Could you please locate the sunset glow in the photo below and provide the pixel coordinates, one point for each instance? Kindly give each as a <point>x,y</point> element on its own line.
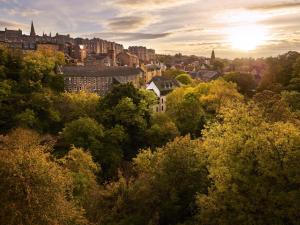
<point>247,38</point>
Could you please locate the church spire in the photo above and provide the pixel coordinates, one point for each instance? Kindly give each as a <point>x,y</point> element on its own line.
<point>213,56</point>
<point>32,31</point>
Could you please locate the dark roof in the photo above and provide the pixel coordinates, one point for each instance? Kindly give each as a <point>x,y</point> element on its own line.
<point>205,75</point>
<point>96,71</point>
<point>152,67</point>
<point>165,84</point>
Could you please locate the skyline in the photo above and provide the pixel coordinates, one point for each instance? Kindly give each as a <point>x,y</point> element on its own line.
<point>233,28</point>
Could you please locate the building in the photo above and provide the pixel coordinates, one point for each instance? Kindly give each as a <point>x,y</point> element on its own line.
<point>213,57</point>
<point>162,86</point>
<point>151,71</point>
<point>77,48</point>
<point>98,80</point>
<point>145,55</point>
<point>100,60</point>
<point>127,59</point>
<point>205,75</point>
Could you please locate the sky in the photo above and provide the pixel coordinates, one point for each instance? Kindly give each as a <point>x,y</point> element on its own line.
<point>240,28</point>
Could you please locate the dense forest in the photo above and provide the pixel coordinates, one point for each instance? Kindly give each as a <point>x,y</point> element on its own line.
<point>226,152</point>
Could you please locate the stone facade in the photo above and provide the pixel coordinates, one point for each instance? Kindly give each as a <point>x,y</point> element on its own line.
<point>151,71</point>
<point>98,80</point>
<point>127,59</point>
<point>145,55</point>
<point>65,43</point>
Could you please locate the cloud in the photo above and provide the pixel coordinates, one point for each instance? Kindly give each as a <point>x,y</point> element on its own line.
<point>12,24</point>
<point>150,4</point>
<point>128,23</point>
<point>274,6</point>
<point>127,36</point>
<point>25,12</point>
<point>207,43</point>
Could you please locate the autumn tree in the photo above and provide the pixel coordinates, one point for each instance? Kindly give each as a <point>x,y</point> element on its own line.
<point>163,190</point>
<point>162,130</point>
<point>245,82</point>
<point>34,189</point>
<point>253,166</point>
<point>184,79</point>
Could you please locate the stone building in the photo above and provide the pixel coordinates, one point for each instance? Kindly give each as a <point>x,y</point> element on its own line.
<point>151,71</point>
<point>145,55</point>
<point>100,60</point>
<point>127,59</point>
<point>73,47</point>
<point>98,80</point>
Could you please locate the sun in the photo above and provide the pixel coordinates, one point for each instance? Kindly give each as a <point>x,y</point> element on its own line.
<point>247,38</point>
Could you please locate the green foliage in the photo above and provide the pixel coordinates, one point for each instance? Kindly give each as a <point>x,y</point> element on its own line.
<point>192,107</point>
<point>280,70</point>
<point>162,130</point>
<point>84,133</point>
<point>292,98</point>
<point>172,73</point>
<point>104,145</point>
<point>184,79</point>
<point>218,65</point>
<point>83,171</point>
<point>72,106</point>
<point>245,82</point>
<point>164,189</point>
<point>128,108</point>
<point>254,167</point>
<point>34,189</point>
<point>27,86</point>
<point>273,106</point>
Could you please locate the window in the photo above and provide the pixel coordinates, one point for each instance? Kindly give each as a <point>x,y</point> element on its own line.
<point>162,108</point>
<point>156,108</point>
<point>162,101</point>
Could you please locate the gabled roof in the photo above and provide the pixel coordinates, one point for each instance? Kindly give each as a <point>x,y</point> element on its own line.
<point>164,84</point>
<point>95,71</point>
<point>207,75</point>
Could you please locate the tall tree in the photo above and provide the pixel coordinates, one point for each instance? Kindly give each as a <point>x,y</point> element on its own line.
<point>34,189</point>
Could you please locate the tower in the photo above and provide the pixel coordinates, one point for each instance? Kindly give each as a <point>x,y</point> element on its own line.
<point>213,57</point>
<point>32,31</point>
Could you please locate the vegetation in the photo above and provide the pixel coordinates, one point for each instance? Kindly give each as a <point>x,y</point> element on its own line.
<point>225,152</point>
<point>184,79</point>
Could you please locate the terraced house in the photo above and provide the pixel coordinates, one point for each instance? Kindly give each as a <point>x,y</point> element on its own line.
<point>99,80</point>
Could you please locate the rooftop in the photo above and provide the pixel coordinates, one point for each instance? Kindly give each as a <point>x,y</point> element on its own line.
<point>165,84</point>
<point>96,71</point>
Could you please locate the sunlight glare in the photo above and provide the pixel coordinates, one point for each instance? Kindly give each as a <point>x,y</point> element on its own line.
<point>247,38</point>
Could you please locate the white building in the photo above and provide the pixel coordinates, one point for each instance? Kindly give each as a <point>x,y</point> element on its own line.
<point>162,86</point>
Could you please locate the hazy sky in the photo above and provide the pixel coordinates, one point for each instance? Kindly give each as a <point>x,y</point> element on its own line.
<point>233,28</point>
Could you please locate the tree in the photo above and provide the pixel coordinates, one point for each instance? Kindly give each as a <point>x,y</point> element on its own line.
<point>296,68</point>
<point>83,133</point>
<point>130,109</point>
<point>72,106</point>
<point>280,70</point>
<point>184,79</point>
<point>193,107</point>
<point>245,82</point>
<point>273,106</point>
<point>103,144</point>
<point>253,165</point>
<point>162,130</point>
<point>83,170</point>
<point>163,190</point>
<point>172,73</point>
<point>34,189</point>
